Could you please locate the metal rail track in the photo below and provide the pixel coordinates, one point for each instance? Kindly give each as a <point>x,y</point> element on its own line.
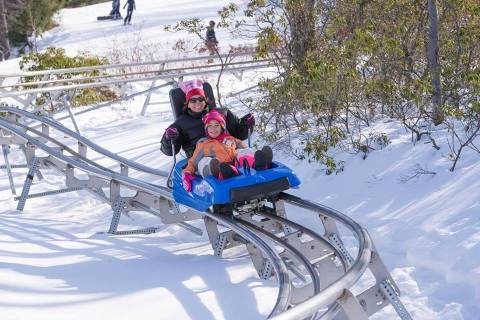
<point>61,91</point>
<point>122,65</point>
<point>315,272</point>
<point>50,89</point>
<point>129,75</point>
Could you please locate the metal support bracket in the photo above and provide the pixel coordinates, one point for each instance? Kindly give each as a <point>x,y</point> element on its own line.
<point>29,155</point>
<point>49,193</point>
<point>66,100</point>
<point>117,212</point>
<point>266,270</point>
<point>386,288</point>
<point>27,184</point>
<point>338,244</point>
<point>9,169</point>
<point>220,244</point>
<point>351,308</point>
<point>280,211</point>
<point>393,297</point>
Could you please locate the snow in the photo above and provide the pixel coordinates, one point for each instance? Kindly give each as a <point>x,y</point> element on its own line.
<point>55,260</point>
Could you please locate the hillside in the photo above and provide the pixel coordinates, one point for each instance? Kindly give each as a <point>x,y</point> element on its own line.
<point>426,227</point>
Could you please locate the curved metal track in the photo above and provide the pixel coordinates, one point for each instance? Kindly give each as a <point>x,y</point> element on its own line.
<point>315,272</point>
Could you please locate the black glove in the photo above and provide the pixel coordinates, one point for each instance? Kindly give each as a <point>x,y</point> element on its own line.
<point>248,120</point>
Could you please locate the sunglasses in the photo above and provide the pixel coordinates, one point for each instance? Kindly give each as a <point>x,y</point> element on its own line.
<point>195,100</point>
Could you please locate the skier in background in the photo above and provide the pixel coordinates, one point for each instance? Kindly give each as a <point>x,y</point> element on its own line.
<point>115,13</point>
<point>211,40</point>
<point>131,7</point>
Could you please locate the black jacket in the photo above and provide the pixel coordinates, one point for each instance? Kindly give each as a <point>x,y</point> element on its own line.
<point>211,34</point>
<point>131,5</point>
<point>190,127</point>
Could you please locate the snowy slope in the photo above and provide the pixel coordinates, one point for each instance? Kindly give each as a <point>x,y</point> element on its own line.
<point>53,262</point>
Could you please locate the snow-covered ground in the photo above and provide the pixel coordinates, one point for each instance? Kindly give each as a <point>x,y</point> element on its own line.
<point>54,264</point>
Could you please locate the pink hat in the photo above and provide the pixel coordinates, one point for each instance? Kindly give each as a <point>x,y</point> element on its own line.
<point>192,88</point>
<point>214,115</point>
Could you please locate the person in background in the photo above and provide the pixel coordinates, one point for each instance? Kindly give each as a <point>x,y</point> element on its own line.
<point>188,128</point>
<point>131,7</point>
<point>211,40</point>
<point>115,13</point>
<point>219,154</point>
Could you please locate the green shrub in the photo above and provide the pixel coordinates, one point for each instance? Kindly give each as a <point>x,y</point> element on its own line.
<point>56,58</point>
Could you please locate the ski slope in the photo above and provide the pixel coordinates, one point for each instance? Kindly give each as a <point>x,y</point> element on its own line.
<point>54,264</point>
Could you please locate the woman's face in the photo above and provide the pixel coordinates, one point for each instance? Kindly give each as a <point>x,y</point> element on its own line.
<point>214,129</point>
<point>197,103</point>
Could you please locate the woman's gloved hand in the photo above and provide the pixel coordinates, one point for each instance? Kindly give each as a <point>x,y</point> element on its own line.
<point>248,120</point>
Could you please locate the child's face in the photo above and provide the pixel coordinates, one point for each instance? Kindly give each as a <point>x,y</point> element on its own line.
<point>214,129</point>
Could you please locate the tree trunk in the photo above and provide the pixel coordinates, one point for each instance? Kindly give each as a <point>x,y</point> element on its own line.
<point>301,18</point>
<point>434,66</point>
<point>4,42</point>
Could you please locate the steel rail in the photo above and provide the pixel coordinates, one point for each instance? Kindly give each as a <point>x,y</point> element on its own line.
<point>279,266</point>
<point>63,146</point>
<point>7,94</point>
<point>333,292</point>
<point>53,81</point>
<point>297,254</point>
<point>335,308</point>
<point>119,65</point>
<point>131,164</point>
<point>108,103</point>
<point>308,232</point>
<point>308,266</point>
<point>102,174</point>
<point>284,292</point>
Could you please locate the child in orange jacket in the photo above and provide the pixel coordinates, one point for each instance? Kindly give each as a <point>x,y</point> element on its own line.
<point>217,153</point>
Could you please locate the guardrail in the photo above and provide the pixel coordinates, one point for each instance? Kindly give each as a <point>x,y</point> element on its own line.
<point>86,142</point>
<point>129,75</point>
<point>120,81</point>
<point>121,65</point>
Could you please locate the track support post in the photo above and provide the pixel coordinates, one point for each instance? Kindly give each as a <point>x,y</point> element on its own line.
<point>266,270</point>
<point>9,169</point>
<point>391,294</point>
<point>220,244</point>
<point>117,212</point>
<point>28,184</point>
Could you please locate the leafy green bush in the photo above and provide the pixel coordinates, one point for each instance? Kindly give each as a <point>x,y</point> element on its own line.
<point>56,58</point>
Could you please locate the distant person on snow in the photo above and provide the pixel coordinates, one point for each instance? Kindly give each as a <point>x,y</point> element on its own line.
<point>211,40</point>
<point>219,154</point>
<point>115,13</point>
<point>131,7</point>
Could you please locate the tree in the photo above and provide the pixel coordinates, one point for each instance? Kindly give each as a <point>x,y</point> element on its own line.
<point>7,8</point>
<point>4,43</point>
<point>33,18</point>
<point>434,66</point>
<point>341,63</point>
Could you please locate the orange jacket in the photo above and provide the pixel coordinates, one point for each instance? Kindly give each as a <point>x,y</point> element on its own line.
<point>225,151</point>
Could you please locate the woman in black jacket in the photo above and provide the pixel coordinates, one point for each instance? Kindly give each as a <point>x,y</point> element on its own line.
<point>188,128</point>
